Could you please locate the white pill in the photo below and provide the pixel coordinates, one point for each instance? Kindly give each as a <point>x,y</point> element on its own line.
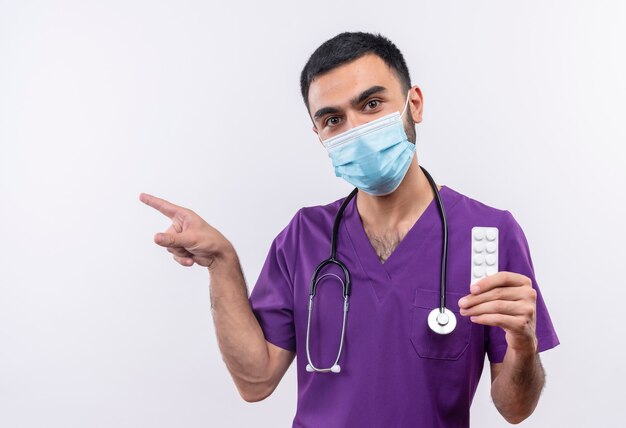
<point>479,247</point>
<point>479,234</point>
<point>491,247</point>
<point>491,259</point>
<point>479,259</point>
<point>490,271</point>
<point>491,234</point>
<point>478,272</point>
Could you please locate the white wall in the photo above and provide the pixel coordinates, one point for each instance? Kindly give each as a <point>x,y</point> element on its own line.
<point>199,103</point>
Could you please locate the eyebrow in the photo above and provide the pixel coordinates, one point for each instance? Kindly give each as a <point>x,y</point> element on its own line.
<point>354,101</point>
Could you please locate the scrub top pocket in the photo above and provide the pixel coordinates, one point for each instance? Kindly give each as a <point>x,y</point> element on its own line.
<point>426,342</point>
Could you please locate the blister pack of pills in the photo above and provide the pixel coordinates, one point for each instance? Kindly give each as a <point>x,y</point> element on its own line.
<point>484,252</point>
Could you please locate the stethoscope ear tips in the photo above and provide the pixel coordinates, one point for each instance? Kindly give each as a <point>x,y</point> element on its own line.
<point>335,369</point>
<point>309,368</point>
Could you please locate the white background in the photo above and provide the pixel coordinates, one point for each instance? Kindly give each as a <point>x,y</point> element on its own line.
<point>198,102</point>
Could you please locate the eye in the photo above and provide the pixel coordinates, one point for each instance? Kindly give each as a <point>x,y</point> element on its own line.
<point>332,121</point>
<point>372,104</point>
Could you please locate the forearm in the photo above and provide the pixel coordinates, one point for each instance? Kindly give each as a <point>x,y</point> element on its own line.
<point>516,389</point>
<point>239,335</point>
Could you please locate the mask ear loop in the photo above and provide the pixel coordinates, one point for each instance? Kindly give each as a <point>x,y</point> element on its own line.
<point>406,104</point>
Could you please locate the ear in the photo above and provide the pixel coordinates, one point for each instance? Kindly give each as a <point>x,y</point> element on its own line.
<point>416,103</point>
<point>317,133</point>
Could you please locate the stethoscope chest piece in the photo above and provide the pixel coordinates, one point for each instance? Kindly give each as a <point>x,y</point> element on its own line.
<point>441,321</point>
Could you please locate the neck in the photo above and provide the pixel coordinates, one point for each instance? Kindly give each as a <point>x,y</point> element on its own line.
<point>400,209</point>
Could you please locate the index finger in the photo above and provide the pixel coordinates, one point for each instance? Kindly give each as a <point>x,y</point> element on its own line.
<point>165,207</point>
<point>498,279</point>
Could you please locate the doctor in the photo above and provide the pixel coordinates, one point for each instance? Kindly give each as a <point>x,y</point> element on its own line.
<point>395,372</point>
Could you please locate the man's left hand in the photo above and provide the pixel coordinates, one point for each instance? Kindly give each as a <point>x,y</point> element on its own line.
<point>506,300</point>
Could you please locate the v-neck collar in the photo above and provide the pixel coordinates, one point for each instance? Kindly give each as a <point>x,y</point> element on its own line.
<point>379,273</point>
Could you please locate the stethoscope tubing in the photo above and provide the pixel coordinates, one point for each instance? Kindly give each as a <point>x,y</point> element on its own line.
<point>444,250</point>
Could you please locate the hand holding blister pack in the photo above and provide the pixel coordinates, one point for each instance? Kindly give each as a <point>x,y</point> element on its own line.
<point>484,252</point>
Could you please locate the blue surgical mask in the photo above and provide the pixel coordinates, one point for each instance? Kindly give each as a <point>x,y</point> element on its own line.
<point>374,156</point>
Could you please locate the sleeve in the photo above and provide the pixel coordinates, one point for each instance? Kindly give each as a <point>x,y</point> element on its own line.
<point>272,296</point>
<point>514,256</point>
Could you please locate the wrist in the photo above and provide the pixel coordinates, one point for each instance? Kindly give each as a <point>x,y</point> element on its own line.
<point>224,261</point>
<point>522,343</point>
<point>527,350</point>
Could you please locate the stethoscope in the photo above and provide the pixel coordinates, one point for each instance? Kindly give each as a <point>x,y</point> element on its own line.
<point>440,320</point>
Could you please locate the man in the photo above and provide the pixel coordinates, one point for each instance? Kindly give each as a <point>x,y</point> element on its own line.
<point>394,371</point>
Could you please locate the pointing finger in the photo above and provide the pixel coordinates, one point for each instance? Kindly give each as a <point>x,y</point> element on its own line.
<point>165,207</point>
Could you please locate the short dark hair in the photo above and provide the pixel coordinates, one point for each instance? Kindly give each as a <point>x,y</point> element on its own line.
<point>346,47</point>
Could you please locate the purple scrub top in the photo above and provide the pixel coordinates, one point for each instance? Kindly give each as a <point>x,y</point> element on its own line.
<point>395,372</point>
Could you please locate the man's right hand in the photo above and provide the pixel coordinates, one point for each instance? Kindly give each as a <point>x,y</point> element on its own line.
<point>190,239</point>
<point>256,365</point>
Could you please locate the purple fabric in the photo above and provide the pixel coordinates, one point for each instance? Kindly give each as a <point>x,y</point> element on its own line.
<point>395,372</point>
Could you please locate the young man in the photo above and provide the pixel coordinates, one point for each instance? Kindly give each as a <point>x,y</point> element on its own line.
<point>393,371</point>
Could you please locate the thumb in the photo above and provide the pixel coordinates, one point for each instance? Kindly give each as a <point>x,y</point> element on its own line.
<point>173,240</point>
